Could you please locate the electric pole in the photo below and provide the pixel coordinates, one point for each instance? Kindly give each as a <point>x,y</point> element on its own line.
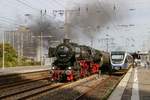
<point>3,50</point>
<point>108,41</point>
<point>66,14</point>
<point>41,34</point>
<point>41,45</point>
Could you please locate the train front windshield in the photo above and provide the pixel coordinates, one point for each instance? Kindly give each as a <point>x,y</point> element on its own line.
<point>117,58</point>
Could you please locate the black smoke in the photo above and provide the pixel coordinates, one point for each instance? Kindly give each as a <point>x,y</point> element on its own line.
<point>46,26</point>
<point>89,16</point>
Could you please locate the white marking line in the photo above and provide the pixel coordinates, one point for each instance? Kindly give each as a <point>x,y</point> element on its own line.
<point>118,92</point>
<point>135,87</point>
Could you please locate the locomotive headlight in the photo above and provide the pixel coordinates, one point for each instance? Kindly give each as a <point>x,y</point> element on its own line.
<point>69,67</point>
<point>53,67</point>
<point>68,72</point>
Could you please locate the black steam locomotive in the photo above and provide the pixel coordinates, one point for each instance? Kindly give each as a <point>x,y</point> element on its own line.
<point>74,61</point>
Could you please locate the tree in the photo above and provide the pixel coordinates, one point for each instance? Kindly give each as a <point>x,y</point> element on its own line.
<point>10,55</point>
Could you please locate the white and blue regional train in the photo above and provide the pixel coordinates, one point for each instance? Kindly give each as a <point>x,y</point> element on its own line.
<point>121,60</point>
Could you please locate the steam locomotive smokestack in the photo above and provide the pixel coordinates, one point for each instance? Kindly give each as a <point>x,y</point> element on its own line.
<point>66,41</point>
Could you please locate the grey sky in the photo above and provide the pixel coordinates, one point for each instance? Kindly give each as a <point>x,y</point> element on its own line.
<point>134,13</point>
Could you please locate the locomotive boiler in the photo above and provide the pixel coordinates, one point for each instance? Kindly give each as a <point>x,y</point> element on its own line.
<point>75,61</point>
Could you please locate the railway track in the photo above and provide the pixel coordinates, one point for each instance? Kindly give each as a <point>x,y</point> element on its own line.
<point>30,92</point>
<point>27,86</point>
<point>32,89</point>
<point>104,89</point>
<point>16,84</point>
<point>100,91</point>
<point>6,80</point>
<point>39,88</point>
<point>68,92</point>
<point>20,83</point>
<point>56,91</point>
<point>95,89</point>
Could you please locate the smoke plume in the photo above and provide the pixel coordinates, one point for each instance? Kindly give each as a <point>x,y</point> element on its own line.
<point>87,18</point>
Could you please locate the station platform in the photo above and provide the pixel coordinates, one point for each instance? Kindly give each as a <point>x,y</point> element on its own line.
<point>22,69</point>
<point>134,86</point>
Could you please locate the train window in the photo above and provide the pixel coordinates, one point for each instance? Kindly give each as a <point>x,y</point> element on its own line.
<point>117,56</point>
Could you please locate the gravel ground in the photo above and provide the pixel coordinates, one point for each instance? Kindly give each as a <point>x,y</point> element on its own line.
<point>73,91</point>
<point>13,78</point>
<point>102,90</point>
<point>88,88</point>
<point>28,93</point>
<point>17,83</point>
<point>29,89</point>
<point>23,87</point>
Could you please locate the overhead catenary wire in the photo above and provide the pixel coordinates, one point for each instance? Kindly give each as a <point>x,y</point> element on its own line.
<point>39,10</point>
<point>27,5</point>
<point>108,16</point>
<point>7,18</point>
<point>56,3</point>
<point>6,21</point>
<point>112,21</point>
<point>118,31</point>
<point>44,4</point>
<point>59,3</point>
<point>114,18</point>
